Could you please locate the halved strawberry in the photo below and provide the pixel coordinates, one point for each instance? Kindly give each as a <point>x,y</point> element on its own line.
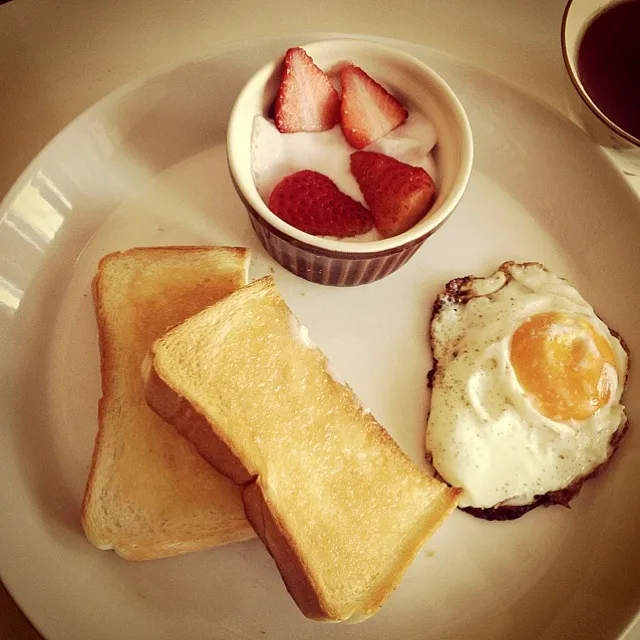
<point>306,99</point>
<point>398,194</point>
<point>368,110</point>
<point>311,202</point>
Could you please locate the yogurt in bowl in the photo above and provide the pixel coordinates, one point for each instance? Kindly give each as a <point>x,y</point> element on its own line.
<point>256,148</point>
<point>275,155</point>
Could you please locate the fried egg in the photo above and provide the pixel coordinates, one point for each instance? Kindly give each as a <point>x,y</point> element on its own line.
<point>526,388</point>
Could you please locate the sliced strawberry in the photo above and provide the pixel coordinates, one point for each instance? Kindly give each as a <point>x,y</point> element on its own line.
<point>368,110</point>
<point>398,194</point>
<point>311,202</point>
<point>306,99</point>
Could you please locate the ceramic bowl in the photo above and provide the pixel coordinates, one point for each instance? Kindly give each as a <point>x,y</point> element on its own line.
<point>343,262</point>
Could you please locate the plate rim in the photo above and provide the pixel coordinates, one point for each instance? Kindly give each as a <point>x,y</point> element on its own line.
<point>111,98</point>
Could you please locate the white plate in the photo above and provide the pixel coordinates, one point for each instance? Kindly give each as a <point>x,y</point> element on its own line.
<point>147,166</point>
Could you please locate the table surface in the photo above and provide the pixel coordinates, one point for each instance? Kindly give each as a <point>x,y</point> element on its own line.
<point>59,57</point>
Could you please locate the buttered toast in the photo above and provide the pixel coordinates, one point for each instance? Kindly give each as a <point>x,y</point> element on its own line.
<point>149,493</point>
<point>339,506</point>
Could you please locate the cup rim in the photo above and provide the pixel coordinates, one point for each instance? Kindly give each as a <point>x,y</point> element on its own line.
<point>419,231</point>
<point>575,80</point>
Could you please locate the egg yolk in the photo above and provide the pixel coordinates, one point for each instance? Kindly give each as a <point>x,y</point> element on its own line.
<point>564,364</point>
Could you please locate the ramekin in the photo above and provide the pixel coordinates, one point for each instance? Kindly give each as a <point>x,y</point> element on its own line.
<point>343,262</point>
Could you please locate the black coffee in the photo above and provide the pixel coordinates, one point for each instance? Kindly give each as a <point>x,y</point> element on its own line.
<point>609,64</point>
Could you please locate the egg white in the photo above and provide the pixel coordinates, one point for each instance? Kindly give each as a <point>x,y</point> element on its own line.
<point>484,433</point>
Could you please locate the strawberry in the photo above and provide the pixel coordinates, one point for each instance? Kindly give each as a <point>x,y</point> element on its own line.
<point>398,194</point>
<point>306,99</point>
<point>368,110</point>
<point>311,202</point>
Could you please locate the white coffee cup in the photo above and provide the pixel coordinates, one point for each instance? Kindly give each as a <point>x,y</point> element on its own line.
<point>624,148</point>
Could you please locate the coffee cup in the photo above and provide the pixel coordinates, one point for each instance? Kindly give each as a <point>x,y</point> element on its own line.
<point>601,50</point>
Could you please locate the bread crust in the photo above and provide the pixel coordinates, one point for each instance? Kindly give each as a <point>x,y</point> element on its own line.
<point>283,550</point>
<point>458,290</point>
<point>235,531</point>
<point>105,355</point>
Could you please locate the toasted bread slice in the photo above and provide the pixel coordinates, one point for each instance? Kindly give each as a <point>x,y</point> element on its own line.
<point>149,493</point>
<point>342,510</point>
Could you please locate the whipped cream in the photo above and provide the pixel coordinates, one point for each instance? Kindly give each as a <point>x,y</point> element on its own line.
<point>275,155</point>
